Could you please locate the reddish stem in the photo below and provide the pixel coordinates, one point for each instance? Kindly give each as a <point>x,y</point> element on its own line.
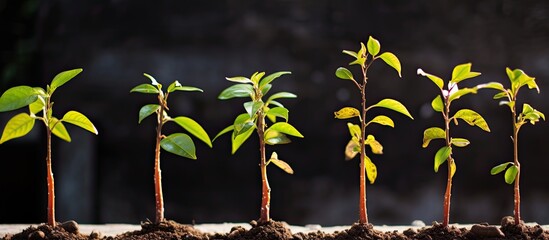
<point>363,214</point>
<point>266,189</point>
<point>49,178</point>
<point>448,192</point>
<point>517,164</point>
<point>157,172</point>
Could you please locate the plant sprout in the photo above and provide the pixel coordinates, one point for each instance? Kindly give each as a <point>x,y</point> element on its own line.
<point>41,108</point>
<point>177,143</point>
<point>364,58</point>
<point>518,79</point>
<point>441,104</point>
<point>257,110</point>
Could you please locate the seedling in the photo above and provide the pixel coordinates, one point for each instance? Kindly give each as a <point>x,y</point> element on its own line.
<point>441,104</point>
<point>177,143</point>
<point>364,58</point>
<point>518,79</point>
<point>257,110</point>
<point>41,108</point>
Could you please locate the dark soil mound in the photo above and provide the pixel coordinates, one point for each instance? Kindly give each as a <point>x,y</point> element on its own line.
<point>439,232</point>
<point>67,230</point>
<point>271,230</point>
<point>165,230</point>
<point>356,232</point>
<point>522,231</point>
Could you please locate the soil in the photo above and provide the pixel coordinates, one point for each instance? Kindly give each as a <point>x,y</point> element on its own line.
<point>274,230</point>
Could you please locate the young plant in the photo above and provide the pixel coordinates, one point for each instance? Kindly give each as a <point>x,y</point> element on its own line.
<point>518,79</point>
<point>41,108</point>
<point>177,143</point>
<point>364,58</point>
<point>256,88</point>
<point>442,104</point>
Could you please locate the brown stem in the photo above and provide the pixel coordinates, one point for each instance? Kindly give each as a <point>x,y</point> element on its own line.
<point>157,172</point>
<point>363,214</point>
<point>517,164</point>
<point>448,193</point>
<point>266,189</point>
<point>49,178</point>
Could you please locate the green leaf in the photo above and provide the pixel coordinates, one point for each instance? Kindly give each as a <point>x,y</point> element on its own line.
<point>237,90</point>
<point>460,142</point>
<point>347,112</point>
<point>373,46</point>
<point>265,89</point>
<point>278,104</point>
<point>462,72</point>
<point>225,130</point>
<point>392,61</point>
<point>531,114</point>
<point>59,130</point>
<point>354,130</point>
<point>437,104</point>
<point>176,86</point>
<point>376,147</point>
<point>432,133</point>
<point>17,126</point>
<point>461,92</point>
<point>268,79</point>
<point>371,169</point>
<point>194,128</point>
<point>37,106</point>
<point>360,58</point>
<point>147,110</point>
<point>519,78</point>
<point>145,88</point>
<point>281,164</point>
<point>511,174</point>
<point>436,80</point>
<point>257,76</point>
<point>252,107</point>
<point>281,95</point>
<point>179,144</point>
<point>441,156</point>
<point>78,119</point>
<point>352,149</point>
<point>17,97</point>
<point>63,78</point>
<point>278,112</point>
<point>285,128</point>
<point>472,118</point>
<point>501,95</point>
<point>274,137</point>
<point>241,138</point>
<point>344,73</point>
<point>239,79</point>
<point>492,85</point>
<point>242,123</point>
<point>499,168</point>
<point>393,105</point>
<point>153,81</point>
<point>382,120</point>
<point>351,53</point>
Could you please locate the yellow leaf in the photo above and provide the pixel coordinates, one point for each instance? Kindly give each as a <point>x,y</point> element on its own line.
<point>347,112</point>
<point>281,164</point>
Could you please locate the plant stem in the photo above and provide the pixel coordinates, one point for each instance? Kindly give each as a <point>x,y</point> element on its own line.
<point>517,164</point>
<point>448,193</point>
<point>49,178</point>
<point>362,193</point>
<point>266,189</point>
<point>157,172</point>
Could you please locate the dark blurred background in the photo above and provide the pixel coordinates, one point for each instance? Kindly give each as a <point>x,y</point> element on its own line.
<point>109,178</point>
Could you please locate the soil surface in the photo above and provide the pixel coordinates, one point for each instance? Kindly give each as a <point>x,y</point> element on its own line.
<point>274,230</point>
